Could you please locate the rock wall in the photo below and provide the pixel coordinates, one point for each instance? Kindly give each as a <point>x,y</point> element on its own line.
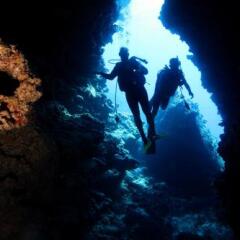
<point>28,164</point>
<point>61,40</point>
<point>211,29</point>
<point>47,166</point>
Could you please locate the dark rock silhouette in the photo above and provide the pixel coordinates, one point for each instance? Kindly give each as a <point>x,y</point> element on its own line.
<point>216,24</point>
<point>27,163</point>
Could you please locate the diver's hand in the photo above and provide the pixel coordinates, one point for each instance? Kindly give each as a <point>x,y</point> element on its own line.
<point>191,94</point>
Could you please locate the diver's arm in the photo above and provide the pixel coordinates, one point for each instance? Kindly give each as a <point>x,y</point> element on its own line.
<point>110,76</point>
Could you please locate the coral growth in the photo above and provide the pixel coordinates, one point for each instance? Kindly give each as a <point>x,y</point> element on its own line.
<point>14,109</point>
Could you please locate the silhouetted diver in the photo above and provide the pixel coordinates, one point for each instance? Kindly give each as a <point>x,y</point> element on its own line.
<point>168,80</point>
<point>131,80</point>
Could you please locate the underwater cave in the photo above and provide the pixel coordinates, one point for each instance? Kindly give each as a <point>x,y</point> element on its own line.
<point>69,169</point>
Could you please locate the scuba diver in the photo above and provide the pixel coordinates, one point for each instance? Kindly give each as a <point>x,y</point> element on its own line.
<point>168,80</point>
<point>131,80</point>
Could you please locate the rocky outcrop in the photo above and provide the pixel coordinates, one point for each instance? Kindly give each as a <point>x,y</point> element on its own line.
<point>62,42</point>
<point>210,28</point>
<point>27,170</point>
<point>15,103</point>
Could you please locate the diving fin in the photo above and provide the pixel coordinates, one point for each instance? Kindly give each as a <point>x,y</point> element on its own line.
<point>150,147</point>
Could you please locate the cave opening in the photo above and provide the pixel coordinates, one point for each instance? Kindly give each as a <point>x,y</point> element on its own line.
<point>139,28</point>
<point>187,159</point>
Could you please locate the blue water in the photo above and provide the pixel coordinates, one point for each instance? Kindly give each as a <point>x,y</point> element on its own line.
<point>143,33</point>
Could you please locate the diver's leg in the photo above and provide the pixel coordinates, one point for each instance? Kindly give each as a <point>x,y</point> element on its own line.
<point>133,105</point>
<point>155,107</point>
<point>165,102</point>
<point>151,102</point>
<point>143,99</point>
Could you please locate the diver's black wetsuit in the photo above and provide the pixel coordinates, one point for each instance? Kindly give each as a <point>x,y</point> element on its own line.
<point>131,80</point>
<point>167,83</point>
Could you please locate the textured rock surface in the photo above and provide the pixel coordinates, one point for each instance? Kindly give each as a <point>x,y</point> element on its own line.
<point>27,169</point>
<point>211,29</point>
<point>15,108</point>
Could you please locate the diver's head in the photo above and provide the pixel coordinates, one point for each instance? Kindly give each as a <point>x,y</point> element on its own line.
<point>174,63</point>
<point>123,53</point>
